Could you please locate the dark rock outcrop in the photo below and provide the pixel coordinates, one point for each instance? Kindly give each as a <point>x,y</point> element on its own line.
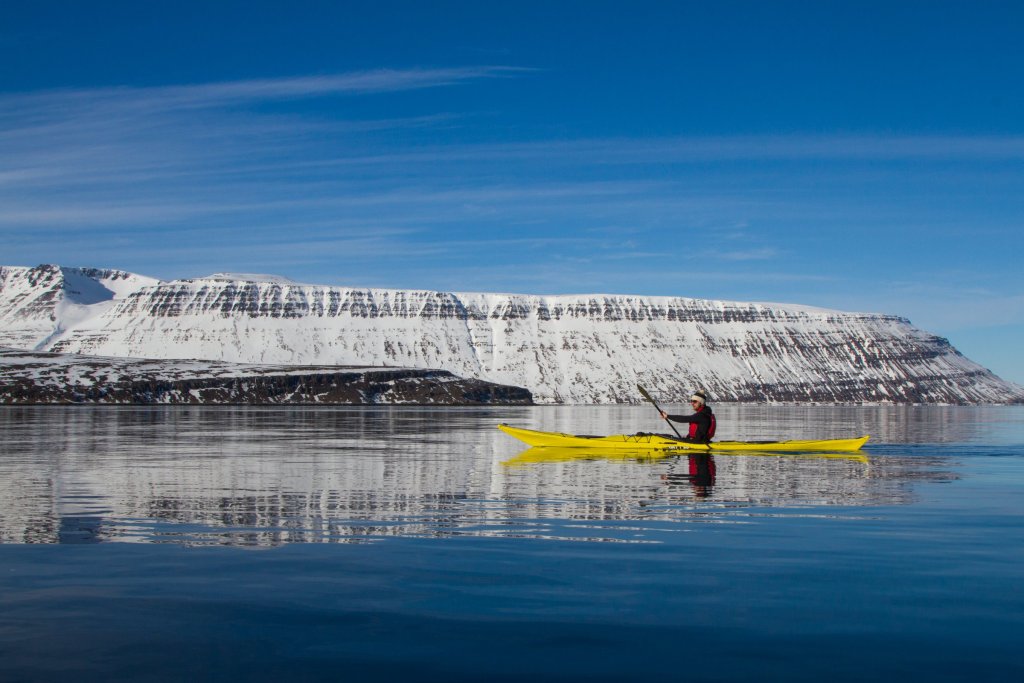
<point>34,378</point>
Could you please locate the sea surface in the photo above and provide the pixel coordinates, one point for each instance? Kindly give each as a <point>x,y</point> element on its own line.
<point>413,544</point>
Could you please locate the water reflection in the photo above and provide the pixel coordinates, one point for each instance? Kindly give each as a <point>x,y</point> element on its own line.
<point>700,474</point>
<point>272,476</point>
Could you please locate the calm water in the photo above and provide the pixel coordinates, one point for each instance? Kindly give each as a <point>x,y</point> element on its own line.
<point>402,544</point>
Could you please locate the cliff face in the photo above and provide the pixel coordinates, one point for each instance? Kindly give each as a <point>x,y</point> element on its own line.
<point>564,349</point>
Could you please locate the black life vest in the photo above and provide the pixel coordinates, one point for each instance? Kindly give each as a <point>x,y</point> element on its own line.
<point>711,427</point>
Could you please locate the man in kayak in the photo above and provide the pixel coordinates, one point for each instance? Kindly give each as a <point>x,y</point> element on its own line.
<point>702,422</point>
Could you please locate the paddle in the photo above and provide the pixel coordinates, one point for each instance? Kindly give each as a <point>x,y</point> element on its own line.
<point>643,392</point>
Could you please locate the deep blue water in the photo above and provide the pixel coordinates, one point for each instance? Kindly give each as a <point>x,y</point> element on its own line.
<point>398,544</point>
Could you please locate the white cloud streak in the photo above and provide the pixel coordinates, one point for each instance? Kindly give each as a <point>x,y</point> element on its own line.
<point>760,254</point>
<point>221,94</point>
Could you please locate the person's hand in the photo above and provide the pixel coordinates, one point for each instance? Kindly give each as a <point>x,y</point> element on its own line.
<point>664,416</point>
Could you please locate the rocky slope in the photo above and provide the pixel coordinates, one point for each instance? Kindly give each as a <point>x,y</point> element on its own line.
<point>37,377</point>
<point>564,349</point>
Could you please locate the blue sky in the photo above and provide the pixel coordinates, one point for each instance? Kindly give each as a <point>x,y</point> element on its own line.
<point>852,155</point>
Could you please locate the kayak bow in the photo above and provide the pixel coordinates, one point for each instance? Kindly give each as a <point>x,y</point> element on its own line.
<point>643,441</point>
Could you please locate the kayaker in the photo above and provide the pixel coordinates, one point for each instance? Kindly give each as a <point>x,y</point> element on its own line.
<point>702,422</point>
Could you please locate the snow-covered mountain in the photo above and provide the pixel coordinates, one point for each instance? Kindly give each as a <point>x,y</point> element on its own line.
<point>41,304</point>
<point>564,349</point>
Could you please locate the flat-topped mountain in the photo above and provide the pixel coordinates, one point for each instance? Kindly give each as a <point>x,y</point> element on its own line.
<point>563,349</point>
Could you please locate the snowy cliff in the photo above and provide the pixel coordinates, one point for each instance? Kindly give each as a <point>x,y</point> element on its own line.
<point>564,349</point>
<point>42,303</point>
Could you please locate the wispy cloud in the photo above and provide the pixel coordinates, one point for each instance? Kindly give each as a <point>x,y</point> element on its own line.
<point>759,254</point>
<point>221,94</point>
<point>704,149</point>
<point>270,171</point>
<point>85,136</point>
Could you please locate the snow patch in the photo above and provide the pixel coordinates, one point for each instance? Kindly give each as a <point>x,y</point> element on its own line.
<point>250,277</point>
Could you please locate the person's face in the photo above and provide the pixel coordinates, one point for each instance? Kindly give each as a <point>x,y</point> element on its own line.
<point>695,404</point>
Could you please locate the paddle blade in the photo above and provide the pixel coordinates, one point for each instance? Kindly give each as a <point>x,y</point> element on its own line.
<point>643,392</point>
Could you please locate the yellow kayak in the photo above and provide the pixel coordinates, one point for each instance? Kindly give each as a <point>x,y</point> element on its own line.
<point>663,442</point>
<point>549,454</point>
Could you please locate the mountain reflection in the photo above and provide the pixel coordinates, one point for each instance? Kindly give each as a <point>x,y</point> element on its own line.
<point>253,476</point>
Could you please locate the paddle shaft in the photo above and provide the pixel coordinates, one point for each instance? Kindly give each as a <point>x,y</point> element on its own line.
<point>643,392</point>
